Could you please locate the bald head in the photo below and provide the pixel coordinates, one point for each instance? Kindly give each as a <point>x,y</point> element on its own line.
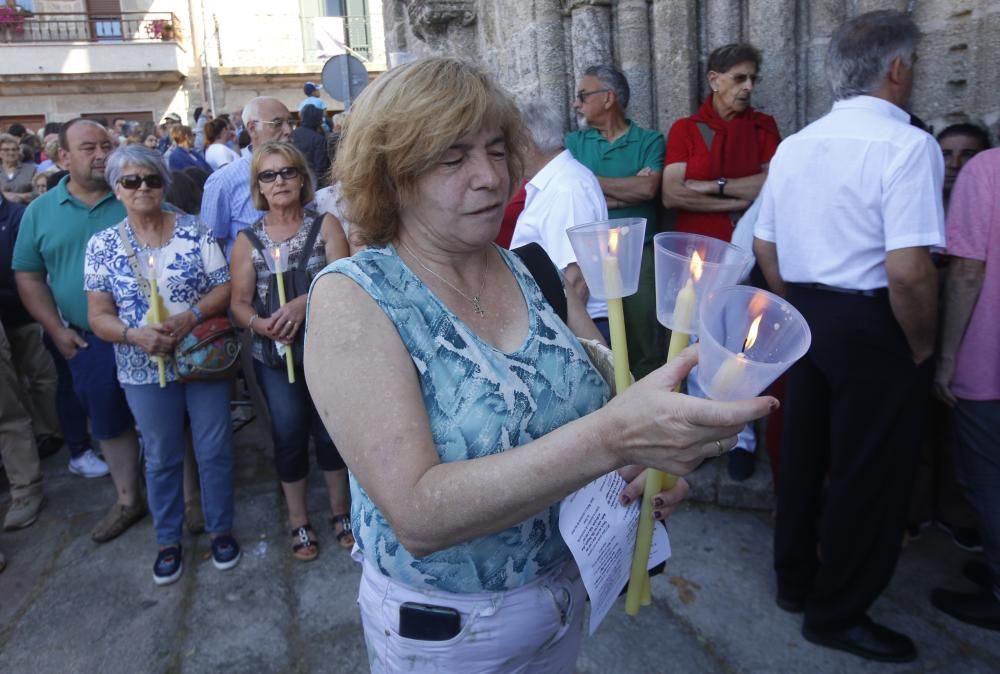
<point>266,119</point>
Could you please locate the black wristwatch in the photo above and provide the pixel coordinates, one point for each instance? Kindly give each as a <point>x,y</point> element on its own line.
<point>721,182</point>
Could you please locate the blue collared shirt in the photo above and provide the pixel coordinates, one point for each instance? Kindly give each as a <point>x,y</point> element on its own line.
<point>226,206</point>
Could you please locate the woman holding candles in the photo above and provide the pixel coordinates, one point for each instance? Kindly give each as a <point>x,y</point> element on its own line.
<point>280,186</point>
<point>464,407</point>
<point>129,281</point>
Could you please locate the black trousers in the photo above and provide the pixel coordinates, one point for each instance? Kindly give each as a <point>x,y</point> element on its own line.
<point>854,416</point>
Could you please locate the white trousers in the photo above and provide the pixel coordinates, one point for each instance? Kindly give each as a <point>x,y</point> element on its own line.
<point>534,628</point>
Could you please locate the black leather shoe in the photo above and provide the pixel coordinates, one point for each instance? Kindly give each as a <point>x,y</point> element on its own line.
<point>981,609</point>
<point>979,573</point>
<point>868,640</point>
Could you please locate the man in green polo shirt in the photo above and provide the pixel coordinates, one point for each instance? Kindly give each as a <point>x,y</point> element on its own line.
<point>48,265</point>
<point>627,160</point>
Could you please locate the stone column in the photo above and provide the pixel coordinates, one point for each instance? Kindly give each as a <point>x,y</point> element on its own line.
<point>591,34</point>
<point>772,29</point>
<point>862,6</point>
<point>824,17</point>
<point>723,23</point>
<point>635,58</point>
<point>675,58</point>
<point>551,54</point>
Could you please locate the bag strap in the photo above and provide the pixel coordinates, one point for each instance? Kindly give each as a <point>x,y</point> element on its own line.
<point>707,134</point>
<point>544,272</point>
<point>133,262</point>
<point>254,240</point>
<point>310,239</point>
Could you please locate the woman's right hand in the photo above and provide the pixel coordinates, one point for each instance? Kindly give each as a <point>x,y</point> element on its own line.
<point>650,425</point>
<point>153,339</point>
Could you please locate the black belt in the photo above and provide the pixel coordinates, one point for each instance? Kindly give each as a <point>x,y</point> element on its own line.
<point>874,292</point>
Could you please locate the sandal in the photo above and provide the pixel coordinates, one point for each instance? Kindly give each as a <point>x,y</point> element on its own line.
<point>305,547</point>
<point>345,537</point>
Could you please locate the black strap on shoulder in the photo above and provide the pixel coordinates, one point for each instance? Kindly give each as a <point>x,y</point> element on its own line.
<point>546,276</point>
<point>254,240</point>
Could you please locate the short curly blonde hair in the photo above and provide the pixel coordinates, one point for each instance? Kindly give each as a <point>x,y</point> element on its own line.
<point>294,157</point>
<point>400,127</point>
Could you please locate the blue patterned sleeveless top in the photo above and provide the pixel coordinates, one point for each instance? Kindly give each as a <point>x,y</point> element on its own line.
<point>479,401</point>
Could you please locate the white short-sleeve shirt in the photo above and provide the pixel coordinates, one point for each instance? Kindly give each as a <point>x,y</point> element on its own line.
<point>848,188</point>
<point>563,194</point>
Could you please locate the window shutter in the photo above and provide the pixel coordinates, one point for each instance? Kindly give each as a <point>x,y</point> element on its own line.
<point>104,8</point>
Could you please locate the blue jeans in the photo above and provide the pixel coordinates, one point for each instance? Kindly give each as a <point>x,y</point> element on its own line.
<point>160,416</point>
<point>293,419</point>
<point>95,382</point>
<point>72,417</point>
<point>977,467</point>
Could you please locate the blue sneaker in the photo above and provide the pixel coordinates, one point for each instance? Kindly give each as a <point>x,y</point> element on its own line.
<point>169,565</point>
<point>225,552</point>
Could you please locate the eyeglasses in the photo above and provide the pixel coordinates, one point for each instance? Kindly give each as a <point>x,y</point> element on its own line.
<point>582,95</point>
<point>741,78</point>
<point>287,173</point>
<point>133,181</point>
<point>277,122</point>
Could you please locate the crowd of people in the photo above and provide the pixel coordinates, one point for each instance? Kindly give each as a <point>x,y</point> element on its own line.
<point>412,219</point>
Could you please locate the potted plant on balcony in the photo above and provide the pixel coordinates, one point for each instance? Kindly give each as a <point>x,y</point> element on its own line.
<point>12,21</point>
<point>161,29</point>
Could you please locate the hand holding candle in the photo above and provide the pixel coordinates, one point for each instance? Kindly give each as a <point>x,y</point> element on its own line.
<point>279,270</point>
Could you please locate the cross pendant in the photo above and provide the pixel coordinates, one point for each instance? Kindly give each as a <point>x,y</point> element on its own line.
<point>479,309</point>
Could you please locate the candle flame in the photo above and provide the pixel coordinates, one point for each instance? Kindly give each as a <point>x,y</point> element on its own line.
<point>277,253</point>
<point>613,241</point>
<point>696,266</point>
<point>752,333</point>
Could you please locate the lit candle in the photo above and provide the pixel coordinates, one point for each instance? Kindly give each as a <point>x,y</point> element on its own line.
<point>616,312</point>
<point>289,360</point>
<point>157,315</point>
<point>731,372</point>
<point>656,481</point>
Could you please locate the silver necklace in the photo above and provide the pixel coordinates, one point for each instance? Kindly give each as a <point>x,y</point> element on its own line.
<point>475,298</point>
<point>146,245</point>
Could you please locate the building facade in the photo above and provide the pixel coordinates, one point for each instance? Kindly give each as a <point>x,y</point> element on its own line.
<point>140,59</point>
<point>539,48</point>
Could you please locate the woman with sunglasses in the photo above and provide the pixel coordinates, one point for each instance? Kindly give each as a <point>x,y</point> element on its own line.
<point>280,186</point>
<point>715,167</point>
<point>192,284</point>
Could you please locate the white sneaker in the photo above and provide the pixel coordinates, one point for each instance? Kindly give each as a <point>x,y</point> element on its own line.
<point>88,464</point>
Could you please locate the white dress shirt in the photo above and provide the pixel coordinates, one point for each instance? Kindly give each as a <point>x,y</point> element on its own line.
<point>848,188</point>
<point>563,194</point>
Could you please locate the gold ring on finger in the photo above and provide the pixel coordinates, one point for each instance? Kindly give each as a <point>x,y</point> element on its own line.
<point>718,444</point>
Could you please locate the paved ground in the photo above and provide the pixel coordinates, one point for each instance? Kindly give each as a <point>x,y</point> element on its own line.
<point>69,605</point>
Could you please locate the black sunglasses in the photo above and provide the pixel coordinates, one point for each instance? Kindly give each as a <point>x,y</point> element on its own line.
<point>132,181</point>
<point>287,173</point>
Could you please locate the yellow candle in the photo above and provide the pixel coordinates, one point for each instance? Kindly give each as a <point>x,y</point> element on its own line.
<point>616,313</point>
<point>154,300</point>
<point>732,370</point>
<point>289,358</point>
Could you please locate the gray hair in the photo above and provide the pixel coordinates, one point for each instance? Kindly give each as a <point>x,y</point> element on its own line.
<point>863,49</point>
<point>135,156</point>
<point>544,125</point>
<point>613,79</point>
<point>251,111</point>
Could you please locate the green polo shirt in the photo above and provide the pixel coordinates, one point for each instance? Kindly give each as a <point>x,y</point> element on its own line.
<point>53,240</point>
<point>636,149</point>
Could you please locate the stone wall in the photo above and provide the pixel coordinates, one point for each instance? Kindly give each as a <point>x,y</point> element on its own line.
<point>538,48</point>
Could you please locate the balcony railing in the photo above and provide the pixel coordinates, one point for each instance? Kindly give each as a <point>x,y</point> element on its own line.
<point>83,27</point>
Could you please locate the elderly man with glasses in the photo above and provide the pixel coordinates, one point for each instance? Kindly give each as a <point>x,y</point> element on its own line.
<point>226,206</point>
<point>628,162</point>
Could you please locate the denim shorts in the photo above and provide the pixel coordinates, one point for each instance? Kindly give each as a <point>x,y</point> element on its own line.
<point>95,382</point>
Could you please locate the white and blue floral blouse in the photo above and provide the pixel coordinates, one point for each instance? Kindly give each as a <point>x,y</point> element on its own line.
<point>191,265</point>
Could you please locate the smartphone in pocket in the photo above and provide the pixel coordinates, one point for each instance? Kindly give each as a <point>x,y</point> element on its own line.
<point>425,622</point>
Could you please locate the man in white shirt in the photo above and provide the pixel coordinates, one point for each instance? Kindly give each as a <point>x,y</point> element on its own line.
<point>561,192</point>
<point>851,205</point>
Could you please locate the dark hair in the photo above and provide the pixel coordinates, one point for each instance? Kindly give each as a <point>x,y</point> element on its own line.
<point>244,139</point>
<point>64,131</point>
<point>17,129</point>
<point>967,129</point>
<point>214,129</point>
<point>198,175</point>
<point>312,117</point>
<point>727,56</point>
<point>613,79</point>
<point>54,178</point>
<point>52,127</point>
<point>184,193</point>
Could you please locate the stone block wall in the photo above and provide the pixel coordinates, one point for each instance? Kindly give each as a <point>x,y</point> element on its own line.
<point>538,48</point>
